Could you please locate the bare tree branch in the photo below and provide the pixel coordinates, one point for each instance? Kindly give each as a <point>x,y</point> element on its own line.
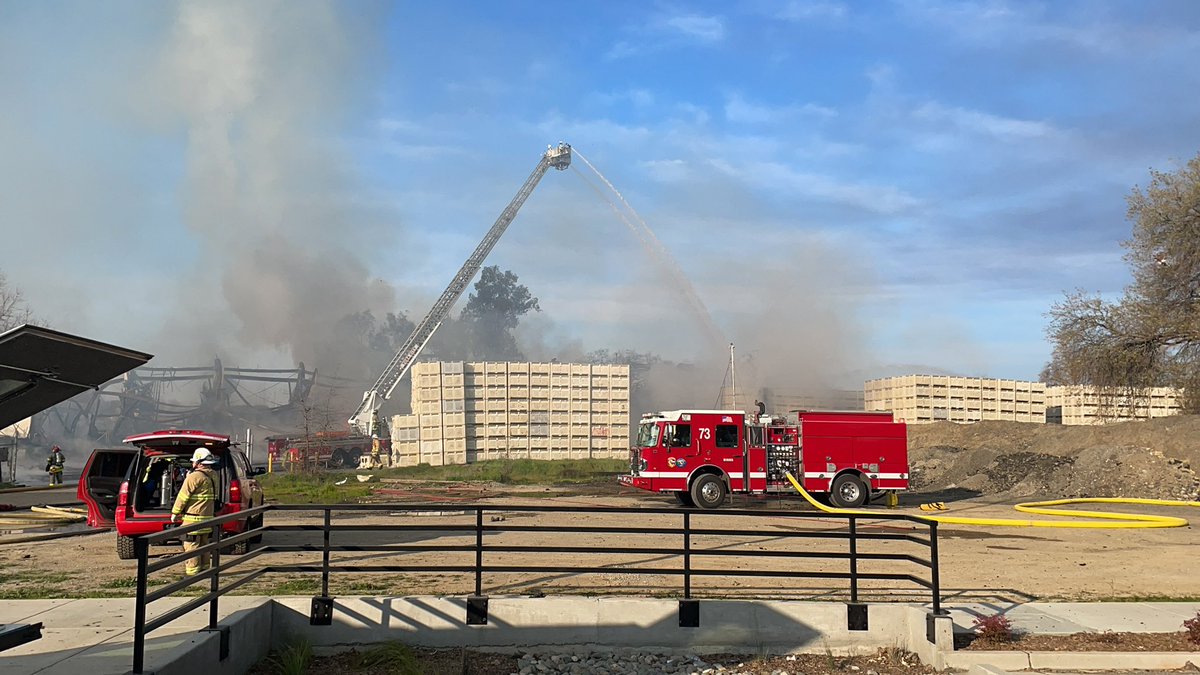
<point>1151,336</point>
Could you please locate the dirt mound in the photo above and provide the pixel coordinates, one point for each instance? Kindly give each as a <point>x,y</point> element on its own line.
<point>1152,458</point>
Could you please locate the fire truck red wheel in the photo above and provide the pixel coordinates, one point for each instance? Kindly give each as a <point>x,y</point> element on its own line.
<point>708,491</point>
<point>848,492</point>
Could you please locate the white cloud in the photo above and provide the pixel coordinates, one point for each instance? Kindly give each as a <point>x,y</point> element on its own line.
<point>592,132</point>
<point>668,31</point>
<point>738,109</point>
<point>781,178</point>
<point>421,150</point>
<point>808,10</point>
<point>668,170</point>
<point>996,22</point>
<point>975,121</point>
<point>640,98</point>
<point>695,26</point>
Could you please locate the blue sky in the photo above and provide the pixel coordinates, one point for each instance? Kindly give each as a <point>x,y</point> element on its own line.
<point>881,185</point>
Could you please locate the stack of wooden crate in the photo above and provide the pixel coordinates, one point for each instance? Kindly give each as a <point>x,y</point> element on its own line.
<point>469,412</point>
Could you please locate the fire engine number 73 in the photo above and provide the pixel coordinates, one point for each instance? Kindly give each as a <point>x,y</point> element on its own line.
<point>701,456</point>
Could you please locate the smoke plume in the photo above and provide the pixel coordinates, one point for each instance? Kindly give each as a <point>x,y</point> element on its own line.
<point>257,90</point>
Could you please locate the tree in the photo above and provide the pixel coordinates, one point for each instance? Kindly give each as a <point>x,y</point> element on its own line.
<point>1151,336</point>
<point>494,310</point>
<point>14,311</point>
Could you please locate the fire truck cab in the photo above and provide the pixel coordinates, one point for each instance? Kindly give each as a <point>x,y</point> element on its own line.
<point>701,456</point>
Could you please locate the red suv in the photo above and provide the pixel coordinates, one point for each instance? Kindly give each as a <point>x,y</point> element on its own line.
<point>134,488</point>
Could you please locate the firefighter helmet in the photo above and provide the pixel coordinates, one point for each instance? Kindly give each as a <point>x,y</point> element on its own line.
<point>203,456</point>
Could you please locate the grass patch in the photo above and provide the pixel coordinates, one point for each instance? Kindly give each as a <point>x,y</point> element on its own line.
<point>131,582</point>
<point>35,585</point>
<point>35,593</point>
<point>517,471</point>
<point>391,657</point>
<point>292,658</point>
<point>322,488</point>
<point>319,488</point>
<point>294,587</point>
<point>35,577</point>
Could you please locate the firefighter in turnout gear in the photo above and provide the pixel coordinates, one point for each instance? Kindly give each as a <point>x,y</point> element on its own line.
<point>195,503</point>
<point>54,465</point>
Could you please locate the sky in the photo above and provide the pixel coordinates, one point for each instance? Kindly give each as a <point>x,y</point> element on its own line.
<point>854,189</point>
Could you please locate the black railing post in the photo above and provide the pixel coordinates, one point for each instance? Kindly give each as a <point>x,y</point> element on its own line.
<point>141,550</point>
<point>214,582</point>
<point>853,560</point>
<point>933,560</point>
<point>687,555</point>
<point>479,551</point>
<point>325,555</point>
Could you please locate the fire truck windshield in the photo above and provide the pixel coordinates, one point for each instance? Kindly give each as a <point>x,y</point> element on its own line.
<point>648,435</point>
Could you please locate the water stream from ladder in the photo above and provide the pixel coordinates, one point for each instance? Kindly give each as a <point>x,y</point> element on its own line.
<point>715,339</point>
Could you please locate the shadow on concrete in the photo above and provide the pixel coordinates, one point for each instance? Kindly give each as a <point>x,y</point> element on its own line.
<point>730,623</point>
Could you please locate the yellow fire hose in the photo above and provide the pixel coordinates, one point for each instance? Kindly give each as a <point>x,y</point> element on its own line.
<point>1105,520</point>
<point>41,516</point>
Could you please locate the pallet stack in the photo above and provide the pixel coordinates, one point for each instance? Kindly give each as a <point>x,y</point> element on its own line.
<point>469,412</point>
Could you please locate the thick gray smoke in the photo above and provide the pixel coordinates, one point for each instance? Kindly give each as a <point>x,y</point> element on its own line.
<point>794,318</point>
<point>258,88</point>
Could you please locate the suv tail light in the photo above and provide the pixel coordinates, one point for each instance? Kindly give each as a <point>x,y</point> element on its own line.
<point>123,499</point>
<point>235,492</point>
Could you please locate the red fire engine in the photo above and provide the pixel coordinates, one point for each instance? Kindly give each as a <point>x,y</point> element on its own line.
<point>334,449</point>
<point>702,455</point>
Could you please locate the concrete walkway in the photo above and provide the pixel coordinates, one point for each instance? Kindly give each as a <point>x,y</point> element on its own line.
<point>95,637</point>
<point>1064,618</point>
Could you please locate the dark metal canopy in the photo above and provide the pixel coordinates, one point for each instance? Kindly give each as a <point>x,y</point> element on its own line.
<point>40,367</point>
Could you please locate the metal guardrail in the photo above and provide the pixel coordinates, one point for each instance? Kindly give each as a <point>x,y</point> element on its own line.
<point>685,550</point>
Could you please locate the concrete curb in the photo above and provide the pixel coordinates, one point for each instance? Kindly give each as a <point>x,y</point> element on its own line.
<point>93,636</point>
<point>986,669</point>
<point>1004,661</point>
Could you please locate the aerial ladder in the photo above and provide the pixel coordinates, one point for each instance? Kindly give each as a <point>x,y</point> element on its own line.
<point>366,418</point>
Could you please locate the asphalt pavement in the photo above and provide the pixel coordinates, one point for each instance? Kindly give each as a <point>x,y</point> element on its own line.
<point>24,498</point>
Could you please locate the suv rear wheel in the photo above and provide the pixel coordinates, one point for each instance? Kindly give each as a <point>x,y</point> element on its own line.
<point>125,549</point>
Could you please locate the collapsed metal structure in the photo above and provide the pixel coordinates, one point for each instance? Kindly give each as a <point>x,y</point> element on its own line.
<point>216,396</point>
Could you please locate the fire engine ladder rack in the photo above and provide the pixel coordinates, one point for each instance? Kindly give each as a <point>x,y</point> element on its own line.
<point>558,157</point>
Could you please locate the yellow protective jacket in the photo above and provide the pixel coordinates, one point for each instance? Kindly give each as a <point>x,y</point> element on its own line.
<point>197,498</point>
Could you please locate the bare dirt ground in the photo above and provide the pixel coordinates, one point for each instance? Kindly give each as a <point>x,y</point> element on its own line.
<point>978,470</point>
<point>977,564</point>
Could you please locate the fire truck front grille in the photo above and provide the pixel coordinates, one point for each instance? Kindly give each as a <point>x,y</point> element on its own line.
<point>635,461</point>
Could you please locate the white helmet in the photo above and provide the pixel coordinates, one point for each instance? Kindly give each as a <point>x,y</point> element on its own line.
<point>203,456</point>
